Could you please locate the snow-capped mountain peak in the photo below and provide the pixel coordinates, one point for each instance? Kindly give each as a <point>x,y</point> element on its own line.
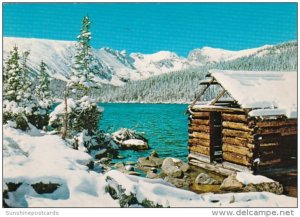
<point>206,55</point>
<point>118,67</point>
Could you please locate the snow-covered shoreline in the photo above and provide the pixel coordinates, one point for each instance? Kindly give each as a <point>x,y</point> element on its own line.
<point>36,157</point>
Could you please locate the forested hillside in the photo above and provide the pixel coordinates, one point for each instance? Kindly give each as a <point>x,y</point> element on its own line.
<point>182,86</point>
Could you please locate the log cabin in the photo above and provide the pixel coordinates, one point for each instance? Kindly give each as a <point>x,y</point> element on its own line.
<point>244,121</point>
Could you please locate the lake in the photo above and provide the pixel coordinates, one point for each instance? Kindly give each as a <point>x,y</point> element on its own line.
<point>164,125</point>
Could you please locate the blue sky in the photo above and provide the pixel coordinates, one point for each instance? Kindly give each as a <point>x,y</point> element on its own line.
<point>151,27</point>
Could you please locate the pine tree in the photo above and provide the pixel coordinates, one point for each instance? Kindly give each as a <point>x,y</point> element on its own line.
<point>28,99</point>
<point>13,76</point>
<point>19,102</point>
<point>84,64</point>
<point>84,68</point>
<point>43,92</point>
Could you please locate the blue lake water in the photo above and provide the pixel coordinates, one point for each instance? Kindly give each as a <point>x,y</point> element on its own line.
<point>164,125</point>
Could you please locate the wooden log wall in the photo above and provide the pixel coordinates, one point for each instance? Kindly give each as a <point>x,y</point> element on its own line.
<point>199,134</point>
<point>244,139</point>
<point>277,140</point>
<point>237,139</point>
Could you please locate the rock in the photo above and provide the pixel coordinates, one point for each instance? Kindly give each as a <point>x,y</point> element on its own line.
<point>130,163</point>
<point>154,154</point>
<point>135,144</point>
<point>105,160</point>
<point>129,139</point>
<point>174,172</point>
<point>102,153</point>
<point>150,161</point>
<point>174,167</point>
<point>184,167</point>
<point>129,168</point>
<point>231,184</point>
<point>179,182</point>
<point>205,179</point>
<point>119,165</point>
<point>45,188</point>
<point>151,175</point>
<point>120,157</point>
<point>273,187</point>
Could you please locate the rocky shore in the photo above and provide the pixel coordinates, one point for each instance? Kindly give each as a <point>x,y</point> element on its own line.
<point>173,170</point>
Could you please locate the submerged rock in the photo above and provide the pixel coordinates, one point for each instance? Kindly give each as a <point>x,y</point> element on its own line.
<point>205,179</point>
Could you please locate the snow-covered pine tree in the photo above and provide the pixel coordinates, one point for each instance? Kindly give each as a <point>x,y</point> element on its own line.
<point>43,91</point>
<point>18,98</point>
<point>28,100</point>
<point>82,117</point>
<point>12,77</point>
<point>84,65</point>
<point>43,97</point>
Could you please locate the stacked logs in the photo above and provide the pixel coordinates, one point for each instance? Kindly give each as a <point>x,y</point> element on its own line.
<point>272,137</point>
<point>199,134</point>
<point>237,139</point>
<point>246,139</point>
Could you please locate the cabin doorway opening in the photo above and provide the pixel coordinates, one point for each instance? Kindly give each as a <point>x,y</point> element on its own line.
<point>215,137</point>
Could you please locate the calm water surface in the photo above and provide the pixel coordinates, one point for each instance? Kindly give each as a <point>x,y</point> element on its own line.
<point>164,125</point>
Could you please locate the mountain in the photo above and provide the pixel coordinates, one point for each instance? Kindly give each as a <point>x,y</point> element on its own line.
<point>183,86</point>
<point>118,67</point>
<point>205,55</point>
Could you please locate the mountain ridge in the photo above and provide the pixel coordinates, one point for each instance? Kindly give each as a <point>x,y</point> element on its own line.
<point>118,67</point>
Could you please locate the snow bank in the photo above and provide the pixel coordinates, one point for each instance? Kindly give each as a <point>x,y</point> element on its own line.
<point>33,157</point>
<point>46,158</point>
<point>258,89</point>
<point>60,109</point>
<point>160,192</point>
<point>248,178</point>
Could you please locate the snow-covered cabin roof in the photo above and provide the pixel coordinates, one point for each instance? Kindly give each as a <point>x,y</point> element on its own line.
<point>261,90</point>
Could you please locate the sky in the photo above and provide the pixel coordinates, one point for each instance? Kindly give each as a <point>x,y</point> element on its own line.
<point>152,27</point>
